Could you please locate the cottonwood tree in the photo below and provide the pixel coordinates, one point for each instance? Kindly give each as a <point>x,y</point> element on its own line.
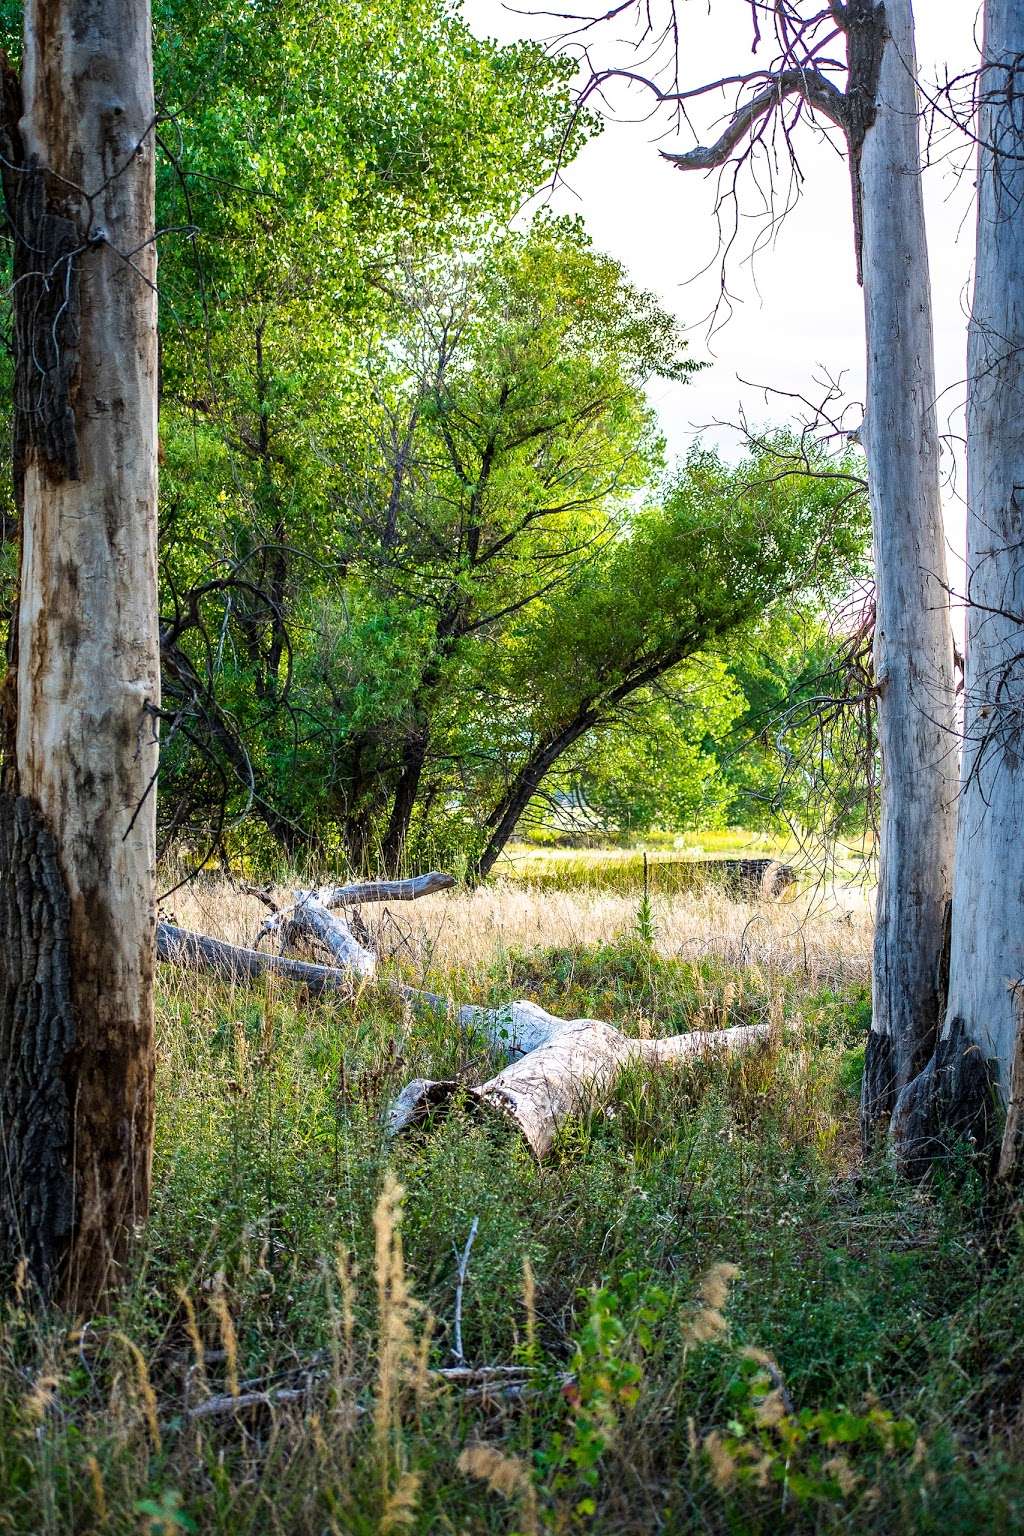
<point>77,812</point>
<point>719,552</point>
<point>851,66</point>
<point>981,1041</point>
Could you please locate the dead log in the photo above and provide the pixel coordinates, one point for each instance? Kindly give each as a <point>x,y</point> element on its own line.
<point>232,962</point>
<point>308,917</point>
<point>764,878</point>
<point>573,1071</point>
<point>560,1067</point>
<point>367,891</point>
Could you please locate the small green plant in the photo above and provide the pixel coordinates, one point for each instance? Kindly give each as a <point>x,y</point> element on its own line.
<point>605,1383</point>
<point>645,928</point>
<point>815,1454</point>
<point>163,1515</point>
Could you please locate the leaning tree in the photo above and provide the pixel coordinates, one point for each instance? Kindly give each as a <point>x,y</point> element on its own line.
<point>77,825</point>
<point>850,65</point>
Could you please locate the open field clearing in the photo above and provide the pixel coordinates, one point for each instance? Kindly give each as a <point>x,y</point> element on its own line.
<point>700,1313</point>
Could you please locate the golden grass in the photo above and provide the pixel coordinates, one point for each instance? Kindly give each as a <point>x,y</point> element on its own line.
<point>822,935</point>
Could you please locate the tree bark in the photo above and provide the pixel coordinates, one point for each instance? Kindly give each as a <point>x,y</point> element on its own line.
<point>564,1067</point>
<point>87,676</point>
<point>987,940</point>
<point>913,637</point>
<point>414,759</point>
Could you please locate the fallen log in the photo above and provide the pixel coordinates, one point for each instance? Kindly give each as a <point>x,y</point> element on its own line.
<point>308,917</point>
<point>367,891</point>
<point>232,962</point>
<point>756,877</point>
<point>573,1071</point>
<point>515,1027</point>
<point>559,1067</point>
<point>486,1381</point>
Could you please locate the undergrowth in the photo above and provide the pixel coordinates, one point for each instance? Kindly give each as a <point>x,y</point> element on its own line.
<point>722,1319</point>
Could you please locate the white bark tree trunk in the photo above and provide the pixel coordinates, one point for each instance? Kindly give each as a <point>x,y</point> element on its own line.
<point>987,951</point>
<point>87,679</point>
<point>987,956</point>
<point>561,1068</point>
<point>913,645</point>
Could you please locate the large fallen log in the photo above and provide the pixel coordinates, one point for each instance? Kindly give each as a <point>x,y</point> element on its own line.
<point>571,1072</point>
<point>764,878</point>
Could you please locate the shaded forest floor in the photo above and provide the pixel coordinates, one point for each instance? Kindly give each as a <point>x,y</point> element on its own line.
<point>721,1319</point>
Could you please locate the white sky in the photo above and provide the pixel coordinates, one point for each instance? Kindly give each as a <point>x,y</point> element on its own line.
<point>800,309</point>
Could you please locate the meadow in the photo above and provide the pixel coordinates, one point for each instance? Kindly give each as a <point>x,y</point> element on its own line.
<point>705,1311</point>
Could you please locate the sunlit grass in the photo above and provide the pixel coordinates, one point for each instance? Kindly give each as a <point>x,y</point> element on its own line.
<point>708,1221</point>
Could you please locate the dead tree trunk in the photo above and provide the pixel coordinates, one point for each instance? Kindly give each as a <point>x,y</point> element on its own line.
<point>878,114</point>
<point>562,1068</point>
<point>987,939</point>
<point>913,637</point>
<point>78,825</point>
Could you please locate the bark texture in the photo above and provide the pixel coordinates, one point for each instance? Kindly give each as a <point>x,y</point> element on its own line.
<point>562,1068</point>
<point>37,1041</point>
<point>913,644</point>
<point>987,953</point>
<point>87,679</point>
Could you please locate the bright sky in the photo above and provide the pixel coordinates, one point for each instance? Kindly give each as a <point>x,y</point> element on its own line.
<point>800,309</point>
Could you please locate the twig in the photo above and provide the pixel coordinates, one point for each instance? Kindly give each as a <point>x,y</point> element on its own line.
<point>460,1282</point>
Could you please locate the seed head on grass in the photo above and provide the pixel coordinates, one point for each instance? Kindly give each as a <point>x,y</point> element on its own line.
<point>145,1388</point>
<point>228,1336</point>
<point>708,1322</point>
<point>400,1507</point>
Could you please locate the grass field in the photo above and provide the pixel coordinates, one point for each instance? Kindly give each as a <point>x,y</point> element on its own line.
<point>721,1319</point>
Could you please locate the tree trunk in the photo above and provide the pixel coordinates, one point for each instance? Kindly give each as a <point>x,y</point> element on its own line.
<point>913,644</point>
<point>987,947</point>
<point>414,757</point>
<point>506,815</point>
<point>563,1067</point>
<point>87,676</point>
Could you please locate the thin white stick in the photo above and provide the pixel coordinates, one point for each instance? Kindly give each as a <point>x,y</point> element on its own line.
<point>459,1284</point>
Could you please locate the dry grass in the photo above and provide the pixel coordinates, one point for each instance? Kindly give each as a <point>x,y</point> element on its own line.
<point>823,937</point>
<point>678,1272</point>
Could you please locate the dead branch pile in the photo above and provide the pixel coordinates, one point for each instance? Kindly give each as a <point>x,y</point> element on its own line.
<point>557,1068</point>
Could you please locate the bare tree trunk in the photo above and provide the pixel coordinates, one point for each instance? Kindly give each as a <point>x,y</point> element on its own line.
<point>987,948</point>
<point>562,1068</point>
<point>913,646</point>
<point>76,1081</point>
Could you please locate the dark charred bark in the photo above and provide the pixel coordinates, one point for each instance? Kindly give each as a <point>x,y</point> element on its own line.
<point>37,1052</point>
<point>954,1102</point>
<point>864,21</point>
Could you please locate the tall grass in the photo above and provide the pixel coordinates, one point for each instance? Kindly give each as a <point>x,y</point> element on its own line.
<point>720,1319</point>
